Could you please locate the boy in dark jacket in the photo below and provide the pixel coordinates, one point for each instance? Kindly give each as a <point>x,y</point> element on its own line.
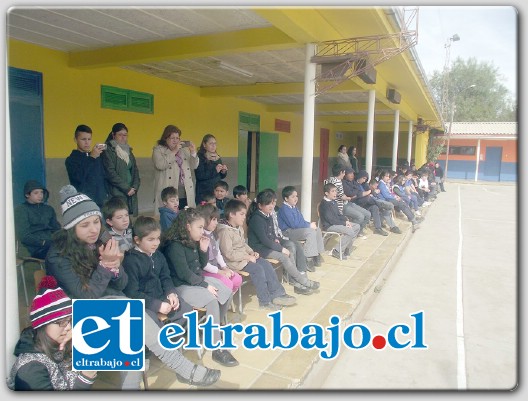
<point>35,222</point>
<point>170,208</point>
<point>85,167</point>
<point>148,273</point>
<point>333,220</point>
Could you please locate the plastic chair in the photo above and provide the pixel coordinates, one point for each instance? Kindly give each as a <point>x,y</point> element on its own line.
<point>21,260</point>
<point>330,234</point>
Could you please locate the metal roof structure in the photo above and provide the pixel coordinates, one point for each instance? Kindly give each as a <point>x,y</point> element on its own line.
<point>252,53</point>
<point>479,130</point>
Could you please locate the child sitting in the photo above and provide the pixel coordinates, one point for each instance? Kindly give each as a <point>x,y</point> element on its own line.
<point>35,222</point>
<point>333,220</point>
<point>187,253</point>
<point>217,267</point>
<point>296,228</point>
<point>209,198</point>
<point>221,188</point>
<point>240,192</point>
<point>240,256</point>
<point>115,214</point>
<point>149,276</point>
<point>262,238</point>
<point>170,208</point>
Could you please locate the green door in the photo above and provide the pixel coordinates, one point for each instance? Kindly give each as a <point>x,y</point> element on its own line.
<point>242,178</point>
<point>268,161</point>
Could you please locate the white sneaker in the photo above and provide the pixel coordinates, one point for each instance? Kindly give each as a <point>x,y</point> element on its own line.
<point>426,203</point>
<point>417,212</point>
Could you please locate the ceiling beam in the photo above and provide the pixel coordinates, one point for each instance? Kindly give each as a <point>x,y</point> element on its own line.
<point>266,89</point>
<point>305,25</point>
<point>323,107</point>
<point>217,44</point>
<point>343,119</point>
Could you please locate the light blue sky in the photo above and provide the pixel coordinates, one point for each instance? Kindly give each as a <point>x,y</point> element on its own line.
<point>488,34</point>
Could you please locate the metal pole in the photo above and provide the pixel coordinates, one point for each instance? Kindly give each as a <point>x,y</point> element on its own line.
<point>449,137</point>
<point>396,134</point>
<point>478,160</point>
<point>409,143</point>
<point>308,132</point>
<point>370,132</point>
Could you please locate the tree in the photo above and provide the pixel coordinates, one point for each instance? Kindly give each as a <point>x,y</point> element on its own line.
<point>489,100</point>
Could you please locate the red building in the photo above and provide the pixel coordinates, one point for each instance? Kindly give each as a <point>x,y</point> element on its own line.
<point>484,151</point>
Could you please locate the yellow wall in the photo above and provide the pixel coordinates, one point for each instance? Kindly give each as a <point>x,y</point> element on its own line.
<point>72,97</point>
<point>420,150</point>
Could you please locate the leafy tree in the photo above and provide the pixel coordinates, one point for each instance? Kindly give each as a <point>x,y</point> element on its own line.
<point>489,100</point>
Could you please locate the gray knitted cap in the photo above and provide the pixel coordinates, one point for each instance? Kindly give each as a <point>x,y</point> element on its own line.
<point>76,207</point>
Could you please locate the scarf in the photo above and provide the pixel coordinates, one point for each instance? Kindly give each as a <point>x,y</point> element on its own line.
<point>212,156</point>
<point>122,151</point>
<point>179,161</point>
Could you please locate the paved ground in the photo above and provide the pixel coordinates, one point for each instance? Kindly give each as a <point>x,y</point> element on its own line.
<point>471,328</point>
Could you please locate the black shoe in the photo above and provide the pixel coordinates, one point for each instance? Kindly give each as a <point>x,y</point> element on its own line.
<point>284,300</point>
<point>381,232</point>
<point>312,285</point>
<point>346,253</point>
<point>302,289</point>
<point>317,261</point>
<point>310,265</point>
<point>211,377</point>
<point>395,230</point>
<point>224,357</point>
<point>335,254</point>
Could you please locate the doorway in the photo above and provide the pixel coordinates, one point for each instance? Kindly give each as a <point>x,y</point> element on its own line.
<point>492,166</point>
<point>26,126</point>
<point>258,160</point>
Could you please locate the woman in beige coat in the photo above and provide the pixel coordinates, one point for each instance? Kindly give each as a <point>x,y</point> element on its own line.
<point>174,161</point>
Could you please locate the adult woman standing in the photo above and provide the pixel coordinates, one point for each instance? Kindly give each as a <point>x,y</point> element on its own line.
<point>342,156</point>
<point>44,349</point>
<point>210,169</point>
<point>354,162</point>
<point>121,172</point>
<point>174,161</point>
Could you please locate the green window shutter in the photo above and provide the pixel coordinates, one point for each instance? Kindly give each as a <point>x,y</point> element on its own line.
<point>126,100</point>
<point>141,102</point>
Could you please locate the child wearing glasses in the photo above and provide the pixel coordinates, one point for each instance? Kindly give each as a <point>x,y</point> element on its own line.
<point>44,350</point>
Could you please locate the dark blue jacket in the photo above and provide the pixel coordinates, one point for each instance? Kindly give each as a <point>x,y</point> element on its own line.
<point>330,215</point>
<point>261,234</point>
<point>148,278</point>
<point>166,217</point>
<point>35,222</point>
<point>206,176</point>
<point>186,264</point>
<point>87,175</point>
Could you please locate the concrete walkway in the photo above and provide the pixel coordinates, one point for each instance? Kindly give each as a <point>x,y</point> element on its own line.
<point>345,289</point>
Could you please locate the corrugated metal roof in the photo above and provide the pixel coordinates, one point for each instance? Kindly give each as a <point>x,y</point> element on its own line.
<point>484,129</point>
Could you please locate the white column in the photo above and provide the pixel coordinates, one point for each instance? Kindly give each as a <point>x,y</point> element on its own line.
<point>308,133</point>
<point>478,160</point>
<point>11,289</point>
<point>409,143</point>
<point>395,139</point>
<point>370,132</point>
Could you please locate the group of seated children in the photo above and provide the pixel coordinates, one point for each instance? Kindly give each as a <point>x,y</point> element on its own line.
<point>191,258</point>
